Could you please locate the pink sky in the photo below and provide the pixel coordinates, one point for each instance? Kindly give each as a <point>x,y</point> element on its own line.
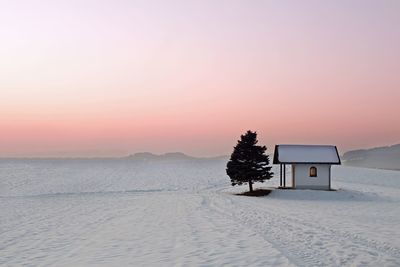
<point>109,78</point>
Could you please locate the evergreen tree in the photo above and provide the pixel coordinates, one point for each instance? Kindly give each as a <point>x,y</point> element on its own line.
<point>248,162</point>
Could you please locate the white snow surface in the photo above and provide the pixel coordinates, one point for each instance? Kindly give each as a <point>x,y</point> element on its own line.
<point>184,213</point>
<point>307,153</point>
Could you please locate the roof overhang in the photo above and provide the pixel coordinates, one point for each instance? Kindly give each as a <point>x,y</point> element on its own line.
<point>306,154</point>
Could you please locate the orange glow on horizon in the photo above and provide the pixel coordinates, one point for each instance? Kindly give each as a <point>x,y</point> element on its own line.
<point>129,77</point>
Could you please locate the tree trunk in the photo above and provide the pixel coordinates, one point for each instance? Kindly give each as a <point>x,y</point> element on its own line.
<point>251,186</point>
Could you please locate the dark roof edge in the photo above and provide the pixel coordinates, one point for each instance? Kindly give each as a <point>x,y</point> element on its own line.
<point>337,153</point>
<point>276,155</point>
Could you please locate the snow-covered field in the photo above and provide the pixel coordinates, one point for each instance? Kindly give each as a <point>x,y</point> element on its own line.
<point>183,213</point>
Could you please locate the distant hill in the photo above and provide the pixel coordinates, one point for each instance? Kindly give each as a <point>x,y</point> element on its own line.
<point>387,157</point>
<point>147,156</point>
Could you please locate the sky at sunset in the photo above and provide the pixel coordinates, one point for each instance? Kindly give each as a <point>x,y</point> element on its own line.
<point>111,78</point>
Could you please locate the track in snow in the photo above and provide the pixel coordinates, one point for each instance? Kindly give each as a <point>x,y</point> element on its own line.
<point>89,214</point>
<point>305,241</point>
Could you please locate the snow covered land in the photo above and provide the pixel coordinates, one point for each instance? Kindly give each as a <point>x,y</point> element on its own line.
<point>182,212</point>
<point>387,157</point>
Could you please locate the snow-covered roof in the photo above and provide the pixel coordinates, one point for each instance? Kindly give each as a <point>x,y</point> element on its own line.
<point>323,154</point>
